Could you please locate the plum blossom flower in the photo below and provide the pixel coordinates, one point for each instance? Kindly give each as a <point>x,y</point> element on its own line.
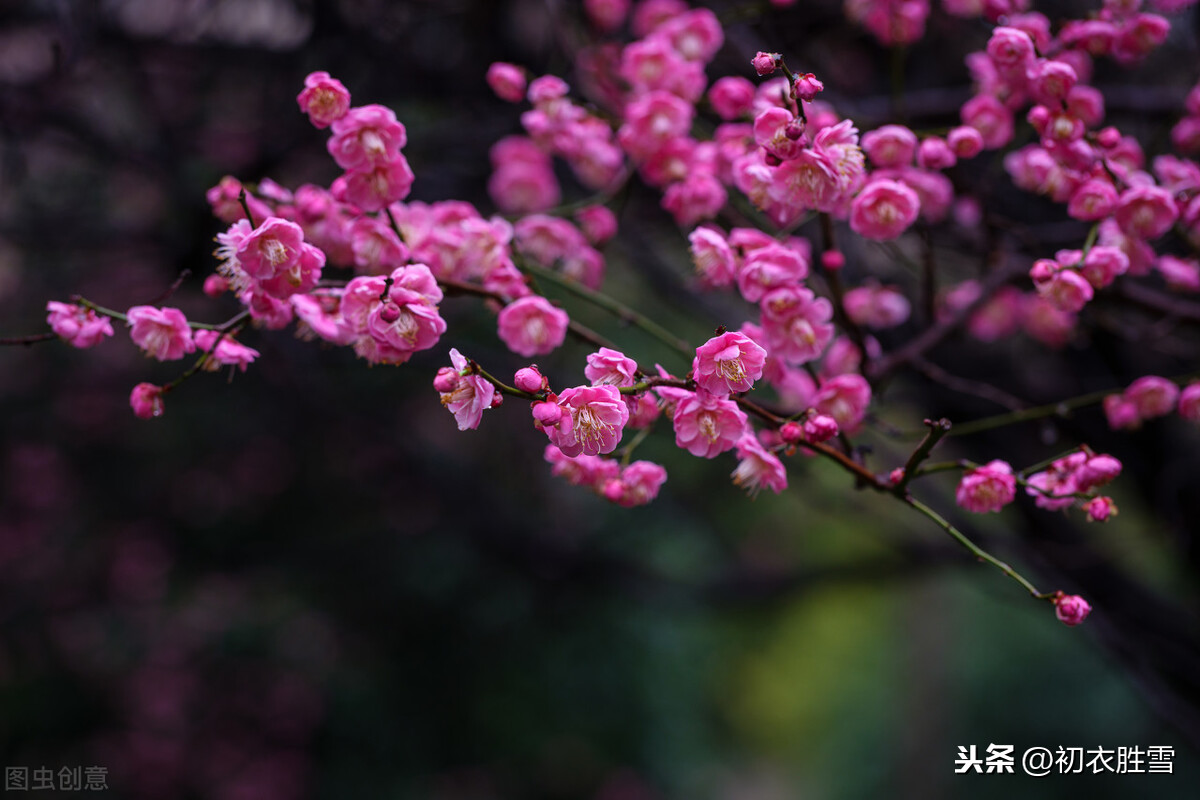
<point>324,98</point>
<point>706,426</point>
<point>884,210</point>
<point>227,351</point>
<point>608,366</point>
<point>845,398</point>
<point>163,333</point>
<point>637,484</point>
<point>987,488</point>
<point>728,364</point>
<point>531,326</point>
<point>366,137</point>
<point>758,468</point>
<point>796,324</point>
<point>79,326</point>
<point>592,420</point>
<point>466,394</point>
<point>273,247</point>
<point>591,471</point>
<point>715,261</point>
<point>731,96</point>
<point>1152,396</point>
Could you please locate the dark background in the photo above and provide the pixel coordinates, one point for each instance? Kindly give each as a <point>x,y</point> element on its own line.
<point>305,582</point>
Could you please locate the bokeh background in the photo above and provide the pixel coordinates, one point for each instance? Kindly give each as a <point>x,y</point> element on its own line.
<point>304,582</point>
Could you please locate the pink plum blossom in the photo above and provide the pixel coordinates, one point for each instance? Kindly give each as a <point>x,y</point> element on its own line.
<point>466,394</point>
<point>845,398</point>
<point>366,137</point>
<point>79,326</point>
<point>796,324</point>
<point>637,485</point>
<point>598,223</point>
<point>707,426</point>
<point>163,333</point>
<point>987,488</point>
<point>758,468</point>
<point>592,420</point>
<point>876,306</point>
<point>731,96</point>
<point>884,210</point>
<point>531,326</point>
<point>228,352</point>
<point>271,248</point>
<point>380,185</point>
<point>714,259</point>
<point>608,366</point>
<point>1152,396</point>
<point>769,267</point>
<point>1146,212</point>
<point>728,364</point>
<point>890,146</point>
<point>324,98</point>
<point>590,471</point>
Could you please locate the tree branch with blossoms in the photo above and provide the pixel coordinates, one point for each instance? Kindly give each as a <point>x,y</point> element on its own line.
<point>357,264</point>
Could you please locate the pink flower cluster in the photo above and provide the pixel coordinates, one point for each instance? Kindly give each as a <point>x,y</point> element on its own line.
<point>81,327</point>
<point>1072,478</point>
<point>1146,398</point>
<point>634,485</point>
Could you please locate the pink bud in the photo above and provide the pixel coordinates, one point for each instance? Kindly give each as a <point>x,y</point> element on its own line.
<point>895,476</point>
<point>1071,609</point>
<point>390,312</point>
<point>215,285</point>
<point>1043,270</point>
<point>446,380</point>
<point>934,153</point>
<point>808,86</point>
<point>547,414</point>
<point>1100,509</point>
<point>146,400</point>
<point>528,379</point>
<point>507,81</point>
<point>965,141</point>
<point>791,432</point>
<point>765,63</point>
<point>1189,402</point>
<point>820,428</point>
<point>833,259</point>
<point>1108,137</point>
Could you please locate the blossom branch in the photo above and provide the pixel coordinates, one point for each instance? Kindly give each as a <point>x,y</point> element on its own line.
<point>976,550</point>
<point>937,429</point>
